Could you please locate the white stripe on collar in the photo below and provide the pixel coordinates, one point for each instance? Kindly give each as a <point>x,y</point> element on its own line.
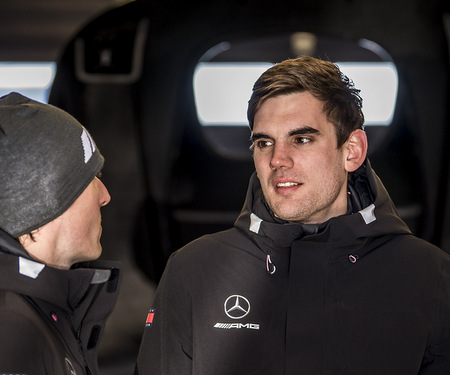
<point>368,214</point>
<point>100,276</point>
<point>30,268</point>
<point>255,223</point>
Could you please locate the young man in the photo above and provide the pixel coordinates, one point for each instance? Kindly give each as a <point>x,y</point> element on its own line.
<point>52,307</point>
<point>319,274</point>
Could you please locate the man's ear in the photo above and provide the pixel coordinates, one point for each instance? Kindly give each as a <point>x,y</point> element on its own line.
<point>26,239</point>
<point>355,150</point>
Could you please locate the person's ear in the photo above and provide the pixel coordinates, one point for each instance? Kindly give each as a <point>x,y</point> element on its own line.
<point>26,239</point>
<point>355,150</point>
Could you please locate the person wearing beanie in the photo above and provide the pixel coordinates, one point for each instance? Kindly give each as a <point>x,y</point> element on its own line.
<point>319,275</point>
<point>55,296</point>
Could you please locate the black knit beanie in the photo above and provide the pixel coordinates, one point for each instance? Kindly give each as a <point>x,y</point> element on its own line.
<point>47,159</point>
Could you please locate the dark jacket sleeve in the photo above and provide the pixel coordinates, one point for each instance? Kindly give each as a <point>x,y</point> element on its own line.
<point>26,344</point>
<point>437,356</point>
<point>166,346</point>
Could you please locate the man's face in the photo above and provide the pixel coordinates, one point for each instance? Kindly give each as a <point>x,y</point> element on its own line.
<point>301,170</point>
<point>78,230</point>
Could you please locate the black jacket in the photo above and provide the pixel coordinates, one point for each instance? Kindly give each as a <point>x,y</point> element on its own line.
<point>356,295</point>
<point>51,320</point>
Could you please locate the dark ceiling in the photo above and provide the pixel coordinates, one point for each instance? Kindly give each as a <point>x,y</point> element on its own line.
<point>37,30</point>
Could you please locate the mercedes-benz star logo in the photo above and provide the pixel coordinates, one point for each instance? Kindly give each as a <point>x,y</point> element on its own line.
<point>236,306</point>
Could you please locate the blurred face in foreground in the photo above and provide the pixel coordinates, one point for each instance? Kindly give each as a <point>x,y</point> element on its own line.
<point>303,174</point>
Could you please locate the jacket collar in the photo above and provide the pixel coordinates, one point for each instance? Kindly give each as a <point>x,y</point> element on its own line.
<point>371,213</point>
<point>66,289</point>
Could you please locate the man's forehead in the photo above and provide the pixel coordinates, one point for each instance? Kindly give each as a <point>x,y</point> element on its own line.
<point>299,104</point>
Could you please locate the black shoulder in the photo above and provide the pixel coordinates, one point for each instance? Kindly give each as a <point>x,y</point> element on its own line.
<point>27,345</point>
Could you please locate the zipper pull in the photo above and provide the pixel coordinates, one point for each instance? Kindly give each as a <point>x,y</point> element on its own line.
<point>270,267</point>
<point>353,258</point>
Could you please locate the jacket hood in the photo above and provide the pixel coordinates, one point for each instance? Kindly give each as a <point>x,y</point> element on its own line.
<point>66,289</point>
<point>371,215</point>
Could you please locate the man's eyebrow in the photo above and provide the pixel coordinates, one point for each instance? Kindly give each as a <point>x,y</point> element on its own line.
<point>256,136</point>
<point>303,131</point>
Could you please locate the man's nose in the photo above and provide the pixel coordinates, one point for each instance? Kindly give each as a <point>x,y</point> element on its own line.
<point>281,157</point>
<point>104,194</point>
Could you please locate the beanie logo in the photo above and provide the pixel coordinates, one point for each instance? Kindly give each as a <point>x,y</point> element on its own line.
<point>88,145</point>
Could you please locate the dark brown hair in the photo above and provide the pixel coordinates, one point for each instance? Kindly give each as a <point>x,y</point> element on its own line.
<point>342,103</point>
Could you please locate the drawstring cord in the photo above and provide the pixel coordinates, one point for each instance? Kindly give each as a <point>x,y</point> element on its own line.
<point>270,267</point>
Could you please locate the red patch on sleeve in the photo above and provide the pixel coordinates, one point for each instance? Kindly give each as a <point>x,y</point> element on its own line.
<point>150,316</point>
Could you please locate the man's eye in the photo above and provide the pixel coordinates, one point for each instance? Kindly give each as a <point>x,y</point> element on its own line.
<point>263,144</point>
<point>302,140</point>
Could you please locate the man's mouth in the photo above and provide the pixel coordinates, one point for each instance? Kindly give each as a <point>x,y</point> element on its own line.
<point>287,184</point>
